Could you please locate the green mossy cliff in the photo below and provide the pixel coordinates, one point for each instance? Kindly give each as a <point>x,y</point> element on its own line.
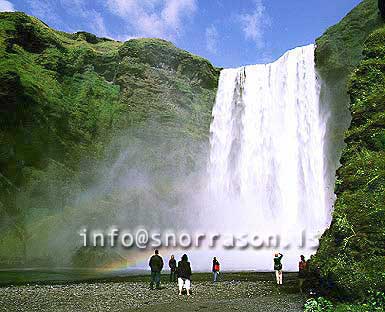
<point>64,98</point>
<point>68,90</point>
<point>351,59</point>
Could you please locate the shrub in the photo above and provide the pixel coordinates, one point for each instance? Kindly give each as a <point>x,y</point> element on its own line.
<point>376,302</point>
<point>318,305</point>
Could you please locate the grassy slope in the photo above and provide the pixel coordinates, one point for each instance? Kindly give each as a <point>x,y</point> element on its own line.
<point>352,252</point>
<point>62,99</point>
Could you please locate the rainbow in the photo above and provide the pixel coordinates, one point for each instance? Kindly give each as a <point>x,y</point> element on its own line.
<point>129,261</point>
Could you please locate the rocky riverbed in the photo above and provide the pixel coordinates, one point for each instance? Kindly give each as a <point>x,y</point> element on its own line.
<point>245,292</point>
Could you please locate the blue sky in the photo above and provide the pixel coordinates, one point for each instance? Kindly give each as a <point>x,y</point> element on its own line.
<point>229,33</point>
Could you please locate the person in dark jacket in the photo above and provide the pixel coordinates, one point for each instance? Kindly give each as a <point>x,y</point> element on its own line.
<point>172,266</point>
<point>278,267</point>
<point>156,265</point>
<point>215,268</point>
<point>302,269</point>
<point>184,275</point>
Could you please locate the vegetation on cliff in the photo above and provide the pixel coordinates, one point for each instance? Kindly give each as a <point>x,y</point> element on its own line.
<point>338,52</point>
<point>65,99</point>
<point>351,255</point>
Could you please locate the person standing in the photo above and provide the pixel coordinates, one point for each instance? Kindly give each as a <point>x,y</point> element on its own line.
<point>172,266</point>
<point>278,268</point>
<point>156,265</point>
<point>184,275</point>
<point>216,268</point>
<point>302,269</point>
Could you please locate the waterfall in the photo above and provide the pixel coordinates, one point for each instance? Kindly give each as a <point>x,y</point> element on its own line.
<point>266,169</point>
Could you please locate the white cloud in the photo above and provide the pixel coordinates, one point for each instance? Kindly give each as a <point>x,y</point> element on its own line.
<point>45,10</point>
<point>175,10</point>
<point>91,17</point>
<point>144,18</point>
<point>154,18</point>
<point>254,24</point>
<point>6,6</point>
<point>99,26</point>
<point>125,37</point>
<point>212,39</point>
<point>49,12</point>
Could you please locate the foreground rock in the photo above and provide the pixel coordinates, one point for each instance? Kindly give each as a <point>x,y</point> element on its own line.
<point>231,295</point>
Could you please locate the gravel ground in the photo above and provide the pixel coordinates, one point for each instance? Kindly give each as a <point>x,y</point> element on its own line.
<point>228,295</point>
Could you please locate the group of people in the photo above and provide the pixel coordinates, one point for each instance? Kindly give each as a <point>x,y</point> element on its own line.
<point>181,271</point>
<point>302,270</point>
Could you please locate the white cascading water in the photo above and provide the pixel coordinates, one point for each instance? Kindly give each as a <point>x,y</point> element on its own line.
<point>266,169</point>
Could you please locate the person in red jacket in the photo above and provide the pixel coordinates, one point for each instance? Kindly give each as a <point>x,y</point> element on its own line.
<point>302,267</point>
<point>216,269</point>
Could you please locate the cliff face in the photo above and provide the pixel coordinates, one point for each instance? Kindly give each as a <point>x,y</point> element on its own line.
<point>65,97</point>
<point>351,59</point>
<point>338,52</point>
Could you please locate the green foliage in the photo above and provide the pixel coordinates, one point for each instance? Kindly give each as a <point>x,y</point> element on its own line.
<point>376,302</point>
<point>163,54</point>
<point>64,97</point>
<point>338,52</point>
<point>351,251</point>
<point>318,305</point>
<point>79,89</point>
<point>349,308</point>
<point>339,49</point>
